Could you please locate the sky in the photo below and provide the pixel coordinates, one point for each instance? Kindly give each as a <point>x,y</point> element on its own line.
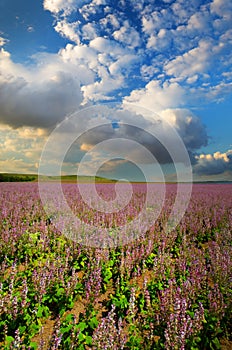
<point>169,57</point>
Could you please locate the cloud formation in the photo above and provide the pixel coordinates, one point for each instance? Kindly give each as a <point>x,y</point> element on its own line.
<point>146,53</point>
<point>214,164</point>
<point>21,148</point>
<point>187,39</point>
<point>162,56</point>
<point>38,97</point>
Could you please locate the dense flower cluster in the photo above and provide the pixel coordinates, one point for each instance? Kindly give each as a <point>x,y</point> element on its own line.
<point>160,291</point>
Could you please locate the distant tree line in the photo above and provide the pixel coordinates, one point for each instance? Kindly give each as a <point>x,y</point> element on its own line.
<point>16,177</point>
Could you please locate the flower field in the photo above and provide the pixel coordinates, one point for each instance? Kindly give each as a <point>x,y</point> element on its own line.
<point>163,290</point>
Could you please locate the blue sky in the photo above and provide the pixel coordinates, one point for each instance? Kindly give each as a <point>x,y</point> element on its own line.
<point>172,57</point>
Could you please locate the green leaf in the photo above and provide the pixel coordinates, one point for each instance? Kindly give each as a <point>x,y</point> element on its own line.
<point>60,292</point>
<point>79,287</point>
<point>9,339</point>
<point>22,329</point>
<point>62,311</point>
<point>40,312</point>
<point>93,322</point>
<point>34,328</point>
<point>160,285</point>
<point>216,344</point>
<point>82,326</point>
<point>70,304</point>
<point>69,318</point>
<point>33,345</point>
<point>43,311</point>
<point>190,313</point>
<point>81,337</point>
<point>66,329</point>
<point>88,340</point>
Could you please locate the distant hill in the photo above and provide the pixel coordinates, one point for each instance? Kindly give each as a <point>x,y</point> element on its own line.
<point>11,177</point>
<point>75,178</point>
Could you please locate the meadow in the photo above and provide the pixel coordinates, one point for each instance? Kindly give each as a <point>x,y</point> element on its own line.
<point>163,290</point>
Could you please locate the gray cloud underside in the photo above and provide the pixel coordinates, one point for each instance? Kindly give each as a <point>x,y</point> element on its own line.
<point>39,105</point>
<point>135,127</point>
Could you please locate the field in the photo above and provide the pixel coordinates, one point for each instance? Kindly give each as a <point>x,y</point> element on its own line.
<point>162,290</point>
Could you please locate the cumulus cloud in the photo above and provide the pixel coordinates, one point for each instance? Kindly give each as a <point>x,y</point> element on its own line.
<point>66,6</point>
<point>200,21</point>
<point>68,30</point>
<point>193,62</point>
<point>13,165</point>
<point>214,164</point>
<point>21,148</point>
<point>89,31</point>
<point>127,35</point>
<point>189,127</point>
<point>57,84</point>
<point>160,41</point>
<point>110,21</point>
<point>157,96</point>
<point>40,97</point>
<point>133,124</point>
<point>222,8</point>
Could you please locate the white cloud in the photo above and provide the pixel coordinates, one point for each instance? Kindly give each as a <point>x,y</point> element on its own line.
<point>82,56</point>
<point>189,28</point>
<point>108,65</point>
<point>192,79</point>
<point>68,30</point>
<point>111,19</point>
<point>195,61</point>
<point>165,100</point>
<point>127,35</point>
<point>89,31</point>
<point>160,41</point>
<point>110,47</point>
<point>222,8</point>
<point>20,148</point>
<point>157,96</point>
<point>219,91</point>
<point>183,10</point>
<point>67,6</point>
<point>8,68</point>
<point>200,21</point>
<point>20,166</point>
<point>122,64</point>
<point>99,90</point>
<point>214,164</point>
<point>91,8</point>
<point>227,36</point>
<point>40,96</point>
<point>148,71</point>
<point>154,21</point>
<point>188,126</point>
<point>30,29</point>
